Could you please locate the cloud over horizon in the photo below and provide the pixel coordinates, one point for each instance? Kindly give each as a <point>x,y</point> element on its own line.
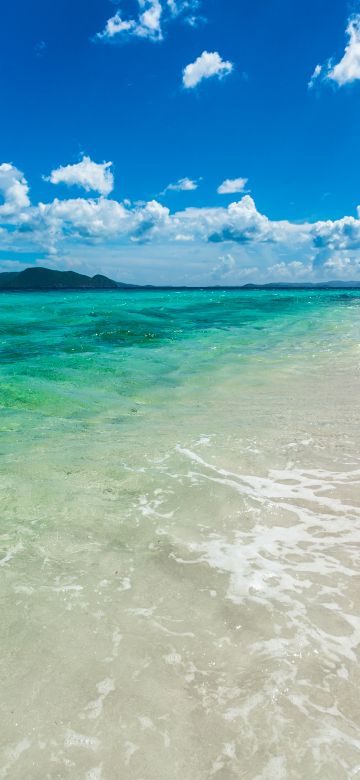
<point>61,227</point>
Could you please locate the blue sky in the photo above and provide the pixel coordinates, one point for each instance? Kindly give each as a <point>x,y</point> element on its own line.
<point>181,98</point>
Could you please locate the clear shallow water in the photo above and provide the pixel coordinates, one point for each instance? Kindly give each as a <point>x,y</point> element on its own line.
<point>179,546</point>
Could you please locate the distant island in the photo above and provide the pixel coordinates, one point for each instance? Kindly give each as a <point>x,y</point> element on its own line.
<point>47,279</point>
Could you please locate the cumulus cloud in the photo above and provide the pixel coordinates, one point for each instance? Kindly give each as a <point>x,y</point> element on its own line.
<point>247,238</point>
<point>339,234</point>
<point>83,217</point>
<point>88,175</point>
<point>207,65</point>
<point>148,24</point>
<point>231,186</point>
<point>97,220</point>
<point>240,222</point>
<point>347,69</point>
<point>182,185</point>
<point>342,267</point>
<point>14,190</point>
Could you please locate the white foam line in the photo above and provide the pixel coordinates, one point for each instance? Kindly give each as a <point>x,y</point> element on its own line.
<point>265,489</point>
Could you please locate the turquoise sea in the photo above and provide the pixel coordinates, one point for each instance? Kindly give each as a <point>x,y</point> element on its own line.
<point>179,540</point>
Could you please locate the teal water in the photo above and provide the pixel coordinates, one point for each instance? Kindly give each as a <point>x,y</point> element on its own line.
<point>179,546</point>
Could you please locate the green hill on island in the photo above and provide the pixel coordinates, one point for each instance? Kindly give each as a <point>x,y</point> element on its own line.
<point>47,279</point>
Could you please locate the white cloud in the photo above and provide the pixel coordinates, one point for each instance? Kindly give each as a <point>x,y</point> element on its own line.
<point>189,9</point>
<point>182,185</point>
<point>315,76</point>
<point>116,25</point>
<point>338,264</point>
<point>347,69</point>
<point>240,223</point>
<point>247,238</point>
<point>148,23</point>
<point>87,174</point>
<point>231,270</point>
<point>294,271</point>
<point>178,6</point>
<point>97,220</point>
<point>230,186</point>
<point>14,190</point>
<point>225,267</point>
<point>209,64</point>
<point>83,217</point>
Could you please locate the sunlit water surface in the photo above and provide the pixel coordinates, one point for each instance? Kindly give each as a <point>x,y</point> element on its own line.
<point>179,545</point>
